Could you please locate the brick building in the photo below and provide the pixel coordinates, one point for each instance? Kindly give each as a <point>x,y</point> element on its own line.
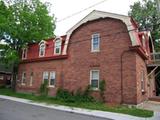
<point>5,75</point>
<point>102,46</point>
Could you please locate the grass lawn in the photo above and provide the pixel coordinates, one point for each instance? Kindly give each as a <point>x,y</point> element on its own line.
<point>88,105</point>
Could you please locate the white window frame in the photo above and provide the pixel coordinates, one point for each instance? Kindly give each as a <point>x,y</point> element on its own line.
<point>57,41</point>
<point>23,82</point>
<point>142,81</point>
<point>40,48</point>
<point>44,75</point>
<point>92,42</point>
<point>31,78</point>
<point>91,72</point>
<point>50,79</point>
<point>24,53</point>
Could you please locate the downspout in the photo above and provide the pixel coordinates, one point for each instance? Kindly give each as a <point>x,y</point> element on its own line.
<point>123,53</point>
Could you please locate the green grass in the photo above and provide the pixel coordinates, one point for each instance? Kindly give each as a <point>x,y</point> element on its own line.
<point>88,105</point>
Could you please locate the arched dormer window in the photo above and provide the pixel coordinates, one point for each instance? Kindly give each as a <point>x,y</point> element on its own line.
<point>24,53</point>
<point>42,47</point>
<point>58,45</point>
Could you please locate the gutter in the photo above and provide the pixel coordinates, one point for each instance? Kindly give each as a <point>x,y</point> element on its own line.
<point>45,59</point>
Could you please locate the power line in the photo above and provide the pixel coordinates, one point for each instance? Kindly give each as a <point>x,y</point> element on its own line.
<point>81,11</point>
<point>88,39</point>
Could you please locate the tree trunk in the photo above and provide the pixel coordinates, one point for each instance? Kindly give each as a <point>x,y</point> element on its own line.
<point>14,77</point>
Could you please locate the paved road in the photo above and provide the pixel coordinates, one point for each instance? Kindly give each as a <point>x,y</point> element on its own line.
<point>10,110</point>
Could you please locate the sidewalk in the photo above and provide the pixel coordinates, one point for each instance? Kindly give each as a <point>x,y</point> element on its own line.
<point>96,113</point>
<point>152,105</point>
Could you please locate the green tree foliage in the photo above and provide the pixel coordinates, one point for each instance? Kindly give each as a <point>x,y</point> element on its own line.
<point>23,22</point>
<point>147,15</point>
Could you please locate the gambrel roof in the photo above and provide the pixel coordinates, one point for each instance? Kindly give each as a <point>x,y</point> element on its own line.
<point>130,23</point>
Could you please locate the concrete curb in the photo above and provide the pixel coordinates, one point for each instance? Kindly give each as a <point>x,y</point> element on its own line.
<point>96,113</point>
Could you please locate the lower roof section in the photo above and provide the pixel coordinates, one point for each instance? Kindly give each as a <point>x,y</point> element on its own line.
<point>40,59</point>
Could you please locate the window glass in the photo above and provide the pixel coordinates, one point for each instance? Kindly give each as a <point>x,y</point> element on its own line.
<point>95,42</point>
<point>45,76</point>
<point>42,50</point>
<point>58,46</point>
<point>23,78</point>
<point>24,53</point>
<point>31,79</point>
<point>142,81</point>
<point>52,78</point>
<point>95,79</point>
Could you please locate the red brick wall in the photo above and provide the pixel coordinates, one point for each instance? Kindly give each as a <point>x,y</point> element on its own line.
<point>129,78</point>
<point>149,84</point>
<point>114,41</point>
<point>38,68</point>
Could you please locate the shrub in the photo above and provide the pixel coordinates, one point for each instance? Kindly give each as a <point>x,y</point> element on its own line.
<point>64,95</point>
<point>44,89</point>
<point>2,86</point>
<point>102,86</point>
<point>78,96</point>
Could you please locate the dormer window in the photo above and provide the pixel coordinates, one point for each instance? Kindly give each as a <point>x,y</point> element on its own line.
<point>24,53</point>
<point>42,47</point>
<point>57,48</point>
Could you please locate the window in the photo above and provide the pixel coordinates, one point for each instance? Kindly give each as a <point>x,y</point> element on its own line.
<point>1,53</point>
<point>94,79</point>
<point>45,76</point>
<point>142,81</point>
<point>143,41</point>
<point>31,79</point>
<point>57,49</point>
<point>42,49</point>
<point>23,78</point>
<point>95,43</point>
<point>1,77</point>
<point>52,79</point>
<point>24,53</point>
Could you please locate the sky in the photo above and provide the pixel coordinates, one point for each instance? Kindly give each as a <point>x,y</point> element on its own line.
<point>63,8</point>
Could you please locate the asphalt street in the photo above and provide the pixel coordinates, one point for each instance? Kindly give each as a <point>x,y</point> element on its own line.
<point>10,110</point>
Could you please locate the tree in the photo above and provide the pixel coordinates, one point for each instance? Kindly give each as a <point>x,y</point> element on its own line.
<point>148,17</point>
<point>22,22</point>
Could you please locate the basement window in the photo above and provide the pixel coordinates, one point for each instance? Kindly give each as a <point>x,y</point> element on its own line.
<point>95,43</point>
<point>94,79</point>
